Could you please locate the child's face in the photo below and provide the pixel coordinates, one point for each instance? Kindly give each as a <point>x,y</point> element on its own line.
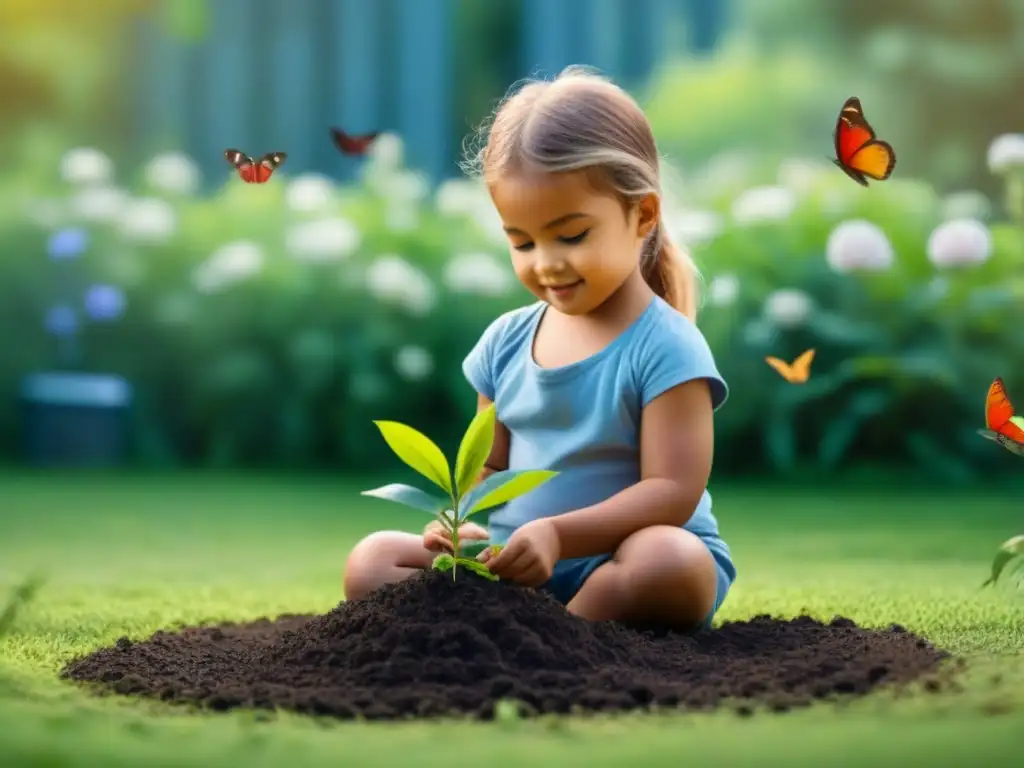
<point>572,245</point>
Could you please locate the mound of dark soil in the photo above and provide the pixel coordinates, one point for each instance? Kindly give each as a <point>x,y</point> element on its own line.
<point>431,647</point>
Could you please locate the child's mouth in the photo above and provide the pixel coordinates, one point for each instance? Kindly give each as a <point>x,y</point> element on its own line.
<point>561,291</point>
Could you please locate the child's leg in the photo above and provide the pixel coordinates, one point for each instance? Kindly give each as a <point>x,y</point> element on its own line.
<point>660,575</point>
<point>384,557</point>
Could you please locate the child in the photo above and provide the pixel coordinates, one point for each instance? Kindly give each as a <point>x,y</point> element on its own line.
<point>606,379</point>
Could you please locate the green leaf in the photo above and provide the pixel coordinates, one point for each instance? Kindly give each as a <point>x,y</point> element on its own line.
<point>840,434</point>
<point>1009,550</point>
<point>418,451</point>
<point>410,497</point>
<point>1017,421</point>
<point>476,567</point>
<point>502,487</point>
<point>443,562</point>
<point>928,453</point>
<point>474,449</point>
<point>780,440</point>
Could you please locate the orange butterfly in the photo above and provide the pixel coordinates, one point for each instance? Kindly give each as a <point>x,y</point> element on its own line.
<point>797,373</point>
<point>1001,421</point>
<point>858,152</point>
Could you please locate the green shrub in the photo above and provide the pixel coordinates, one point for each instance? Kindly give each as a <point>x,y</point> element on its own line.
<point>268,325</point>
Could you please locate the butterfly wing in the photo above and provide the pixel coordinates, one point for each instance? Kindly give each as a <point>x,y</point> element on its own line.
<point>852,131</point>
<point>267,165</point>
<point>802,365</point>
<point>243,163</point>
<point>858,152</point>
<point>1013,430</point>
<point>875,159</point>
<point>352,145</point>
<point>998,408</point>
<point>781,367</point>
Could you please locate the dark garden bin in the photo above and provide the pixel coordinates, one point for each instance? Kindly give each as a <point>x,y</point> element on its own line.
<point>75,419</point>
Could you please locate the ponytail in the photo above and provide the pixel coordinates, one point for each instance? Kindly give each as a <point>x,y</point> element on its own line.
<point>670,272</point>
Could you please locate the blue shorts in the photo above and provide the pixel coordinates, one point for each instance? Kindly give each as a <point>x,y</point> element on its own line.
<point>570,575</point>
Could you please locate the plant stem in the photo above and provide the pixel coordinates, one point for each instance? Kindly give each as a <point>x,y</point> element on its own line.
<point>455,534</point>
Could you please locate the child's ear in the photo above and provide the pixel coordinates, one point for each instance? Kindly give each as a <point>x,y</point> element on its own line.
<point>648,213</point>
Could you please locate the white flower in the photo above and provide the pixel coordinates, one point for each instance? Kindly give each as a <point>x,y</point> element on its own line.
<point>724,290</point>
<point>490,223</point>
<point>323,240</point>
<point>479,273</point>
<point>959,243</point>
<point>309,193</point>
<point>387,151</point>
<point>413,363</point>
<point>229,264</point>
<point>726,170</point>
<point>173,172</point>
<point>694,227</point>
<point>968,204</point>
<point>457,197</point>
<point>408,186</point>
<point>1006,152</point>
<point>763,204</point>
<point>394,280</point>
<point>98,203</point>
<point>858,245</point>
<point>86,165</point>
<point>788,308</point>
<point>148,220</point>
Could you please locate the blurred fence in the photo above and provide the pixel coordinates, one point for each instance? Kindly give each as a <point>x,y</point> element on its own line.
<point>271,75</point>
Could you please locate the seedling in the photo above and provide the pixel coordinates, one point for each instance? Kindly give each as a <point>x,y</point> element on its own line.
<point>464,498</point>
<point>1010,550</point>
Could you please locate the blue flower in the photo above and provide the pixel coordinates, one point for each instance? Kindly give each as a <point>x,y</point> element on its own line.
<point>104,302</point>
<point>62,321</point>
<point>67,244</point>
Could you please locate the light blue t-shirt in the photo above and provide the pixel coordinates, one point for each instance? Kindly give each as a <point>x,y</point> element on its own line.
<point>583,420</point>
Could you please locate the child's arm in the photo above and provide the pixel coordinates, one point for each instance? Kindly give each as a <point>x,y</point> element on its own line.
<point>676,448</point>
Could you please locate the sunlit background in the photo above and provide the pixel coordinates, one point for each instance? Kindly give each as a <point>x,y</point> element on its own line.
<point>159,313</point>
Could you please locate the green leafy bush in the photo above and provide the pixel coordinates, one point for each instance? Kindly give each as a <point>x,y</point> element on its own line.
<point>260,325</point>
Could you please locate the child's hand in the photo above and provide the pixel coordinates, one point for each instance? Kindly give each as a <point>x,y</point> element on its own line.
<point>530,555</point>
<point>437,539</point>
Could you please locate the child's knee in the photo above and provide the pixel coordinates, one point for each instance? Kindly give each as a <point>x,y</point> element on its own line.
<point>373,561</point>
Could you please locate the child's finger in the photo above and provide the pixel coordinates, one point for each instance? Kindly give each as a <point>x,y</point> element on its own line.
<point>473,531</point>
<point>437,542</point>
<point>485,555</point>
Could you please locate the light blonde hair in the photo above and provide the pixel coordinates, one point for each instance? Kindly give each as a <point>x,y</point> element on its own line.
<point>582,121</point>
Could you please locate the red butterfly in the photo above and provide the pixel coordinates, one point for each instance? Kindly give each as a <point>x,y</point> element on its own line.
<point>1002,423</point>
<point>858,152</point>
<point>352,145</point>
<point>251,171</point>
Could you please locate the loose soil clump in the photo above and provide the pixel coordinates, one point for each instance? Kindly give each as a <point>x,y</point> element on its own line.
<point>431,647</point>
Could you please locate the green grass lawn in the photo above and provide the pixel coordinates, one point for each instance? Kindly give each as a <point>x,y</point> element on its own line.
<point>133,555</point>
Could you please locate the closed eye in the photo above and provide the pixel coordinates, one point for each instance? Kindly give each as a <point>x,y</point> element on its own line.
<point>575,238</point>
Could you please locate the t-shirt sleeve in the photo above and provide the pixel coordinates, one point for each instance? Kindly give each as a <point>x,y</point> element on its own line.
<point>676,353</point>
<point>479,365</point>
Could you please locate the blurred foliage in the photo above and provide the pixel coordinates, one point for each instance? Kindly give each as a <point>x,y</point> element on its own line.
<point>260,330</point>
<point>945,75</point>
